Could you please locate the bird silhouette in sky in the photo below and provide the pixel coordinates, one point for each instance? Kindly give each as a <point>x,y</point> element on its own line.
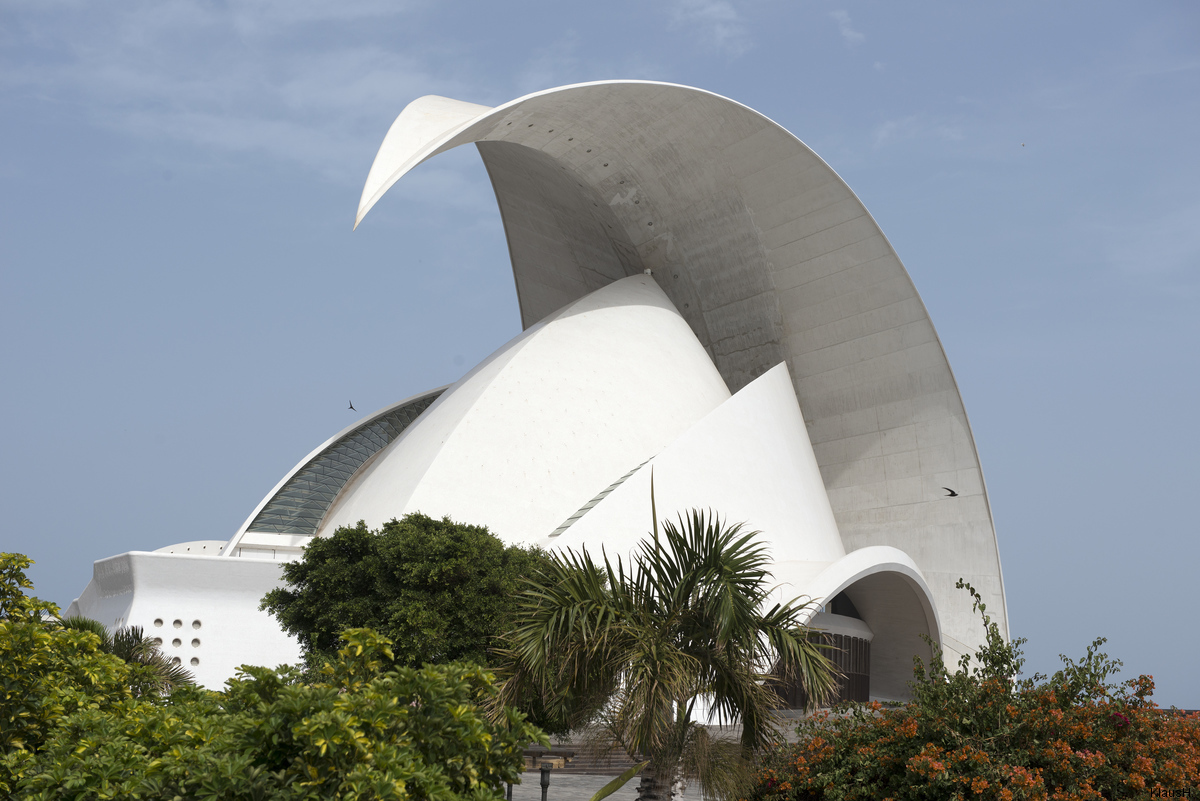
<point>352,407</point>
<point>952,493</point>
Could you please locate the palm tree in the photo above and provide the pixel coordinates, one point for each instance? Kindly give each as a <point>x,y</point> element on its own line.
<point>636,650</point>
<point>131,645</point>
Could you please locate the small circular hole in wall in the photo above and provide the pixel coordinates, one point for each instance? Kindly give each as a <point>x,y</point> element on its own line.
<point>177,642</point>
<point>157,641</point>
<point>195,643</point>
<point>195,624</point>
<point>178,624</point>
<point>158,622</point>
<point>176,661</point>
<point>195,661</point>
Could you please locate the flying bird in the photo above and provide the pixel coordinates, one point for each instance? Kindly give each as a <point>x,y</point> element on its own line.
<point>352,407</point>
<point>952,493</point>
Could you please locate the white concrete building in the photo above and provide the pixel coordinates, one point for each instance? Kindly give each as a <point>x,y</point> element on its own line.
<point>702,297</point>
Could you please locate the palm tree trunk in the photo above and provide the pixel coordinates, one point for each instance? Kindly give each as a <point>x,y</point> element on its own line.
<point>658,781</point>
<point>648,787</point>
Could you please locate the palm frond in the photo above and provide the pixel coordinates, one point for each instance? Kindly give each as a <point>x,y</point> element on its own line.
<point>631,647</point>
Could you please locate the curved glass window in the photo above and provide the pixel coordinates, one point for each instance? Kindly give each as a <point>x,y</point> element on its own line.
<point>301,504</point>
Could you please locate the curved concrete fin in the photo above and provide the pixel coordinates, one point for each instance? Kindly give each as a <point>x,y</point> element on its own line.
<point>421,123</point>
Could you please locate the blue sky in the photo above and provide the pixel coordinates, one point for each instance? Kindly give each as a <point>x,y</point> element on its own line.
<point>185,311</point>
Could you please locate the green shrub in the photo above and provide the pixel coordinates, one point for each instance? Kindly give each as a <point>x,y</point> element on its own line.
<point>442,591</point>
<point>366,728</point>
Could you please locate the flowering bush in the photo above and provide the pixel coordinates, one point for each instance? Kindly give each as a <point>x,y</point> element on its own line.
<point>980,732</point>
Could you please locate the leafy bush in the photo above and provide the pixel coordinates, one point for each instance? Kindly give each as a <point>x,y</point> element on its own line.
<point>48,672</point>
<point>981,732</point>
<point>440,590</point>
<point>367,728</point>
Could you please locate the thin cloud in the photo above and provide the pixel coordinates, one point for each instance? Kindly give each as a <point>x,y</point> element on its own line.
<point>851,36</point>
<point>714,23</point>
<point>229,79</point>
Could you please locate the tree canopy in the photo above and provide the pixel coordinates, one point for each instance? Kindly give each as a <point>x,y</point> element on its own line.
<point>441,591</point>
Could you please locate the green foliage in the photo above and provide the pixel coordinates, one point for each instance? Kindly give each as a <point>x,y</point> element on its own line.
<point>690,618</point>
<point>440,590</point>
<point>367,730</point>
<point>983,732</point>
<point>46,672</point>
<point>80,723</point>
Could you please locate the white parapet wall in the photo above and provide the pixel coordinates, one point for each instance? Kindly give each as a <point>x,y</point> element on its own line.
<point>203,608</point>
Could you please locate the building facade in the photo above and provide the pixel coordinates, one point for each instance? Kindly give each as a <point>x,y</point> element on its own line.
<point>703,300</point>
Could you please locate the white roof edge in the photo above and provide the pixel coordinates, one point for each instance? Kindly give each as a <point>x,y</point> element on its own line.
<point>427,119</point>
<point>429,125</point>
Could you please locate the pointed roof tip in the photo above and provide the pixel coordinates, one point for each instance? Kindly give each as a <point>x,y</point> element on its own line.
<point>412,138</point>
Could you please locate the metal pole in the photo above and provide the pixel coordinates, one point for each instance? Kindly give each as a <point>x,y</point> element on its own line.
<point>545,779</point>
<point>508,792</point>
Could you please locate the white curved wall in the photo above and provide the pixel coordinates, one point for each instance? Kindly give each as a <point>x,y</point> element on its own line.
<point>750,460</point>
<point>215,600</point>
<point>550,420</point>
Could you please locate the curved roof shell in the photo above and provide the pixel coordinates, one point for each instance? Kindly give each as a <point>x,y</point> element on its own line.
<point>770,257</point>
<point>531,434</point>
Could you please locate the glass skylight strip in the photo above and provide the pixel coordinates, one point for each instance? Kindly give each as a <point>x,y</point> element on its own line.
<point>301,504</point>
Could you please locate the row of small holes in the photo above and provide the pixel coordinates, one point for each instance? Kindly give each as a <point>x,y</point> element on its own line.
<point>589,150</point>
<point>158,622</point>
<point>175,642</point>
